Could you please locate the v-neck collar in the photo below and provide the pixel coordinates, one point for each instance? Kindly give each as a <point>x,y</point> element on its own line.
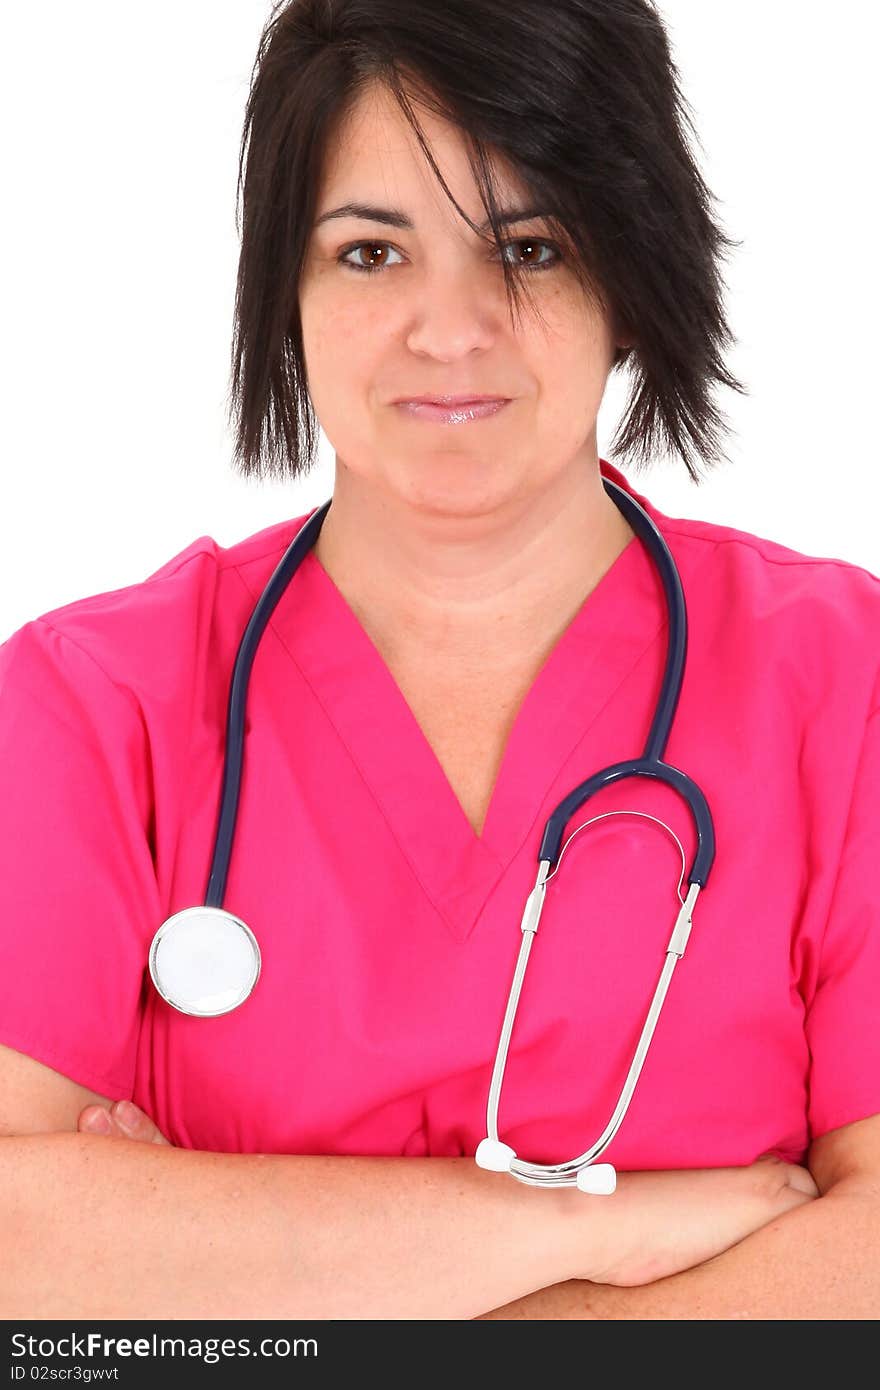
<point>458,869</point>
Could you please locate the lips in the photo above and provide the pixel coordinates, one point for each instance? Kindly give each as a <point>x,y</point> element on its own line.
<point>454,410</point>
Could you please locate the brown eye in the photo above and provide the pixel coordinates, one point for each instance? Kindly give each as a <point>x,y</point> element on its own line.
<point>377,251</point>
<point>530,249</point>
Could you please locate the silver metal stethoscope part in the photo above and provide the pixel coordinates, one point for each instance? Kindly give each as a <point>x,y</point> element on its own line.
<point>204,961</point>
<point>581,1172</point>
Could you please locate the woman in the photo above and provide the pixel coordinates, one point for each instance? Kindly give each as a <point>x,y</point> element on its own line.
<point>477,630</point>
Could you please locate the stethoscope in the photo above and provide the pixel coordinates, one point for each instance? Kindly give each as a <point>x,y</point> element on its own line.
<point>205,961</point>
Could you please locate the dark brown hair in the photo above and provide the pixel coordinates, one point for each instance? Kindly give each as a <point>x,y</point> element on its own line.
<point>582,98</point>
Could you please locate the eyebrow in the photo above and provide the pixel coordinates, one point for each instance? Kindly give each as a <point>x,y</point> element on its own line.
<point>391,217</point>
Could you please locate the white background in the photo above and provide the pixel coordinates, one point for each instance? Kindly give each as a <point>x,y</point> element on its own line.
<point>121,128</point>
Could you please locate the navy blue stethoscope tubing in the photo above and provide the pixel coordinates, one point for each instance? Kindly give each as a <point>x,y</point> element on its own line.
<point>651,762</point>
<point>247,648</point>
<point>649,765</point>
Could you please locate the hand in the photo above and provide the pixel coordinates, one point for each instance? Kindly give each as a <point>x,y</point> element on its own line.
<point>660,1223</point>
<point>141,1127</point>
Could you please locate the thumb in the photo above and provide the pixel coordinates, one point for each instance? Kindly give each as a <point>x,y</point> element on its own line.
<point>136,1123</point>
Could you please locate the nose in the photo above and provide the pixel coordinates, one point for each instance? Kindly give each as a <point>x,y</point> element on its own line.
<point>454,312</point>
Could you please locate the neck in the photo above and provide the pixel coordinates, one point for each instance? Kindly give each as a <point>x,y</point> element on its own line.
<point>469,583</point>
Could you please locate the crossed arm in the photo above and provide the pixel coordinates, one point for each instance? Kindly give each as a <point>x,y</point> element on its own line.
<point>817,1261</point>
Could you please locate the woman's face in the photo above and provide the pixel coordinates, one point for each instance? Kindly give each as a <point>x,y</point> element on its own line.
<point>433,319</point>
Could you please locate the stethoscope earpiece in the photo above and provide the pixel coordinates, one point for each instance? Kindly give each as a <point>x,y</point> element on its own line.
<point>599,1179</point>
<point>494,1155</point>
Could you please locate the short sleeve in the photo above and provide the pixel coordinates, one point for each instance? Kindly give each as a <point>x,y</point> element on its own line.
<point>843,1020</point>
<point>78,895</point>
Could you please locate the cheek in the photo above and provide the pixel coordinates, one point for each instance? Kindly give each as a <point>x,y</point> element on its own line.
<point>342,335</point>
<point>341,356</point>
<point>570,359</point>
<point>570,385</point>
<point>322,320</point>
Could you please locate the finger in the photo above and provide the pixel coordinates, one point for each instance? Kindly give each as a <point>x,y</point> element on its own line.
<point>135,1123</point>
<point>96,1119</point>
<point>801,1179</point>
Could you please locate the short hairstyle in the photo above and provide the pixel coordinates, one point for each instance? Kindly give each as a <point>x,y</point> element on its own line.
<point>582,99</point>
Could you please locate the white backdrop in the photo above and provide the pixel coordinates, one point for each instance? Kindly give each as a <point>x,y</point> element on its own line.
<point>121,128</point>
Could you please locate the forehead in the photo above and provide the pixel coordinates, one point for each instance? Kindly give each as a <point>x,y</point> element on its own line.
<point>373,150</point>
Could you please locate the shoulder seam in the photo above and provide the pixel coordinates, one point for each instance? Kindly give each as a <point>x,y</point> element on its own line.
<point>155,578</point>
<point>756,544</point>
<point>227,564</point>
<point>233,565</point>
<point>123,689</point>
<point>236,564</point>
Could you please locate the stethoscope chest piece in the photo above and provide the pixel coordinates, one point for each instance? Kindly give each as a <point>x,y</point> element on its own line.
<point>204,961</point>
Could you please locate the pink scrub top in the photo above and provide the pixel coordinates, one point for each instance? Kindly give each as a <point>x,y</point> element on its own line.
<point>389,929</point>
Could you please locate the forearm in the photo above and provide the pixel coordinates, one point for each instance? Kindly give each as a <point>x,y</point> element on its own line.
<point>819,1261</point>
<point>103,1228</point>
